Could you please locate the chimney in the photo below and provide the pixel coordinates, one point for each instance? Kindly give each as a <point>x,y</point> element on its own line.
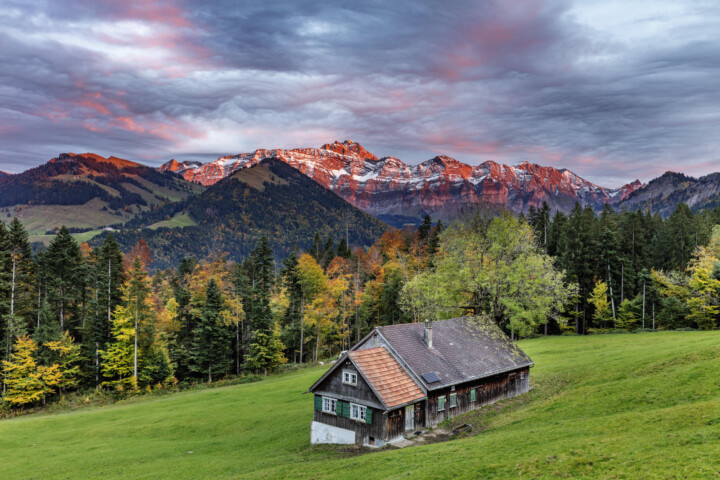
<point>428,333</point>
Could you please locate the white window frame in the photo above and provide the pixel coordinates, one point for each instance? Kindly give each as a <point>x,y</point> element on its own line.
<point>443,404</point>
<point>358,412</point>
<point>329,405</point>
<point>453,396</point>
<point>349,378</point>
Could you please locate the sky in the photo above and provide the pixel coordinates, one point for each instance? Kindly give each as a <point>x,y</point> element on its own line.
<point>612,90</point>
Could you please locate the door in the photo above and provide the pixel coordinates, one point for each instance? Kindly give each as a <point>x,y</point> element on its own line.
<point>409,417</point>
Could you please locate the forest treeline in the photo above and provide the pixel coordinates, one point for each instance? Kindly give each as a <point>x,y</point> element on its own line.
<point>75,317</point>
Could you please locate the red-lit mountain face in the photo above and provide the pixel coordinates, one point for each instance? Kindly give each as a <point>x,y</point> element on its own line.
<point>441,186</point>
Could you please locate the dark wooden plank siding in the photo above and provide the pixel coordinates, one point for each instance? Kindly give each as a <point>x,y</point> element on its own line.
<point>361,393</point>
<point>488,390</point>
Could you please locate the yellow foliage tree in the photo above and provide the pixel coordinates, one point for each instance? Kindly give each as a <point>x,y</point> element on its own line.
<point>27,382</point>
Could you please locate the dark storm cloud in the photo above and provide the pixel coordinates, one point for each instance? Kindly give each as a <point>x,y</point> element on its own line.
<point>552,82</point>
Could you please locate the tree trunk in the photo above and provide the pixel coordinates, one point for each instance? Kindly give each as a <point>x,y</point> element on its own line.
<point>12,287</point>
<point>209,374</point>
<point>135,354</point>
<point>109,284</point>
<point>643,304</point>
<point>97,365</point>
<point>62,309</point>
<point>317,343</point>
<point>39,304</point>
<point>302,331</point>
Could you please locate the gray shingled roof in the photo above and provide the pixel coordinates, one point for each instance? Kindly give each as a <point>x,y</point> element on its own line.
<point>464,349</point>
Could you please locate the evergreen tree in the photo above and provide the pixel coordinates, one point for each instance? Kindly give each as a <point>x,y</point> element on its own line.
<point>47,331</point>
<point>317,248</point>
<point>262,283</point>
<point>292,319</point>
<point>681,237</point>
<point>265,338</point>
<point>64,268</point>
<point>342,251</point>
<point>424,229</point>
<point>20,270</point>
<point>5,320</point>
<point>328,252</point>
<point>211,339</point>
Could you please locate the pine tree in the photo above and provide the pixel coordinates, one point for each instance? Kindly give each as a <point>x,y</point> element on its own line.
<point>21,267</point>
<point>263,265</point>
<point>211,339</point>
<point>292,318</point>
<point>328,252</point>
<point>263,344</point>
<point>342,251</point>
<point>48,330</point>
<point>7,337</point>
<point>424,229</point>
<point>317,248</point>
<point>64,267</point>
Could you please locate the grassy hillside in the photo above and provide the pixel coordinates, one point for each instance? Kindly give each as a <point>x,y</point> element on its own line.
<point>86,192</point>
<point>616,406</point>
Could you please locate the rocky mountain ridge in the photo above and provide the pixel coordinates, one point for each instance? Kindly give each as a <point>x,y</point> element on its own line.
<point>441,186</point>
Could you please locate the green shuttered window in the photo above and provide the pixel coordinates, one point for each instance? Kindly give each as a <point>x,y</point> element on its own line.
<point>472,395</point>
<point>368,415</point>
<point>318,403</point>
<point>344,410</point>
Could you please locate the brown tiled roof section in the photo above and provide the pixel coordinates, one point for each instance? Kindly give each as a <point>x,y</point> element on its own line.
<point>392,384</point>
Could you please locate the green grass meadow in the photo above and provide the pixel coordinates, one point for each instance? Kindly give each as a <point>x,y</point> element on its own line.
<point>604,406</point>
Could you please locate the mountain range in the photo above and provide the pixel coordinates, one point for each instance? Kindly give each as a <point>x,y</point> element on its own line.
<point>189,207</point>
<point>441,187</point>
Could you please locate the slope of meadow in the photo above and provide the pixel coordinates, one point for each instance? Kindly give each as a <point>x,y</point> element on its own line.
<point>615,406</point>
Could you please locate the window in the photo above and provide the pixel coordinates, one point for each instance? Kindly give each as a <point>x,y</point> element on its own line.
<point>453,400</point>
<point>522,375</point>
<point>472,395</point>
<point>441,404</point>
<point>349,378</point>
<point>357,412</point>
<point>329,405</point>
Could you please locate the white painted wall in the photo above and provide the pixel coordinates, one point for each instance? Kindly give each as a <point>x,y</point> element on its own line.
<point>323,433</point>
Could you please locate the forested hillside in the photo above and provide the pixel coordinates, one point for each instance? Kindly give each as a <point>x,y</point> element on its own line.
<point>270,200</point>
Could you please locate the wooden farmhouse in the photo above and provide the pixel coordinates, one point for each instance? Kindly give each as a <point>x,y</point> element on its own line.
<point>403,378</point>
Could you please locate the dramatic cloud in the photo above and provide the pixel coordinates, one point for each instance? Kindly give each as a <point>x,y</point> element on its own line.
<point>610,90</point>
